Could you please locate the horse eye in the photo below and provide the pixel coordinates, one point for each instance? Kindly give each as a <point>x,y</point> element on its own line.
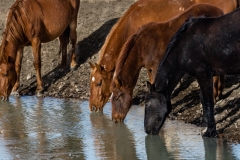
<point>118,96</point>
<point>99,84</point>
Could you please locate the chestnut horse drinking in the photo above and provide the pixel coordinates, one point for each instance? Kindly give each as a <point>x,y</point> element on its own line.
<point>32,23</point>
<point>202,48</point>
<point>146,49</point>
<point>140,13</point>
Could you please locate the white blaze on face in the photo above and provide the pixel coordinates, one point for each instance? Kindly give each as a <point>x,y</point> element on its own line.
<point>93,79</point>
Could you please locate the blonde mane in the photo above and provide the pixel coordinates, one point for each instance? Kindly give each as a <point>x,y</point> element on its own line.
<point>113,31</point>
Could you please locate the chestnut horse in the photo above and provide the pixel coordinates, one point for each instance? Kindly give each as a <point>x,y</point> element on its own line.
<point>140,13</point>
<point>32,23</point>
<point>202,48</point>
<point>145,49</point>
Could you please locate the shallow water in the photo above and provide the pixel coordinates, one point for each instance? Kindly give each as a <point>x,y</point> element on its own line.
<point>50,128</point>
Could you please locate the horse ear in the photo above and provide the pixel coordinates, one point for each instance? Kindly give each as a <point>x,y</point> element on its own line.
<point>117,83</point>
<point>91,65</point>
<point>99,68</point>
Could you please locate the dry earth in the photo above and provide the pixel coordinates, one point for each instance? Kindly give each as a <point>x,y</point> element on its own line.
<point>95,20</point>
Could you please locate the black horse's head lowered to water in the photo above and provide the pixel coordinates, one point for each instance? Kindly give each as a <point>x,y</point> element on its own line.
<point>156,110</point>
<point>202,48</point>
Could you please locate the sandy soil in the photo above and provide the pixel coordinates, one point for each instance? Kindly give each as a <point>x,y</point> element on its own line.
<point>95,20</point>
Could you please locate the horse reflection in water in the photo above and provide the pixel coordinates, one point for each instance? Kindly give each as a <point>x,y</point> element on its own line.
<point>203,48</point>
<point>114,141</point>
<point>32,23</point>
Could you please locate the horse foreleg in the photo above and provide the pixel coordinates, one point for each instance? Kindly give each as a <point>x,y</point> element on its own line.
<point>18,64</point>
<point>73,38</point>
<point>36,46</point>
<point>207,101</point>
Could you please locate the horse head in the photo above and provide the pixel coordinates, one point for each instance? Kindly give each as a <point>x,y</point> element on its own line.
<point>100,81</point>
<point>8,76</point>
<point>155,110</point>
<point>121,100</point>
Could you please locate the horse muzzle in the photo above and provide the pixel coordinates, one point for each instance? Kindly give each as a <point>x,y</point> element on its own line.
<point>3,98</point>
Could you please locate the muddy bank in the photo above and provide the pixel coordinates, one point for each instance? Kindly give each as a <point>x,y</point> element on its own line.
<point>95,20</point>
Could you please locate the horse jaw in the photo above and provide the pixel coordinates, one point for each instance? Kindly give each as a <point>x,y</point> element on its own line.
<point>155,112</point>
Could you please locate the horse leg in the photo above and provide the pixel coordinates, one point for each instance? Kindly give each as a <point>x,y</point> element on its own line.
<point>73,38</point>
<point>36,46</point>
<point>206,86</point>
<point>64,40</point>
<point>218,85</point>
<point>221,86</point>
<point>18,64</point>
<point>215,88</point>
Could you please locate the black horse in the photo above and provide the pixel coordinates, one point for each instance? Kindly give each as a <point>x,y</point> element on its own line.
<point>202,48</point>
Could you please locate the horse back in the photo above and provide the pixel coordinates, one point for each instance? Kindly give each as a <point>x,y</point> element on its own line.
<point>48,19</point>
<point>214,42</point>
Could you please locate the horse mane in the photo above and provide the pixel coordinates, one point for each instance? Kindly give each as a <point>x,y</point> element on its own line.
<point>126,50</point>
<point>113,30</point>
<point>14,30</point>
<point>177,36</point>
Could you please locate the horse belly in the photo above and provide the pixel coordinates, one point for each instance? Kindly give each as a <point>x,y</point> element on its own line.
<point>55,19</point>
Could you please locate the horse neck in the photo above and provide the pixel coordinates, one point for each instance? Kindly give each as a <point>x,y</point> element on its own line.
<point>128,68</point>
<point>114,42</point>
<point>166,70</point>
<point>109,53</point>
<point>10,49</point>
<point>15,24</point>
<point>197,10</point>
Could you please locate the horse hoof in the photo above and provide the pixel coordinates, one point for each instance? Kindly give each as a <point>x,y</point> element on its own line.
<point>15,93</point>
<point>210,134</point>
<point>39,94</point>
<point>73,68</point>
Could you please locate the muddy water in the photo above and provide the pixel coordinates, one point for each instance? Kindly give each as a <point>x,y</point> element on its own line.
<point>49,128</point>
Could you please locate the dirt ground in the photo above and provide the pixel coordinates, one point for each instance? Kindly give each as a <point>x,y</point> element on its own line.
<point>95,20</point>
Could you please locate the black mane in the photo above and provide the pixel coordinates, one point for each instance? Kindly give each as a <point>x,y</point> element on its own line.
<point>177,36</point>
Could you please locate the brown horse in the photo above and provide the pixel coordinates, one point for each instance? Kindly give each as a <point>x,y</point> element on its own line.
<point>32,23</point>
<point>145,49</point>
<point>140,13</point>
